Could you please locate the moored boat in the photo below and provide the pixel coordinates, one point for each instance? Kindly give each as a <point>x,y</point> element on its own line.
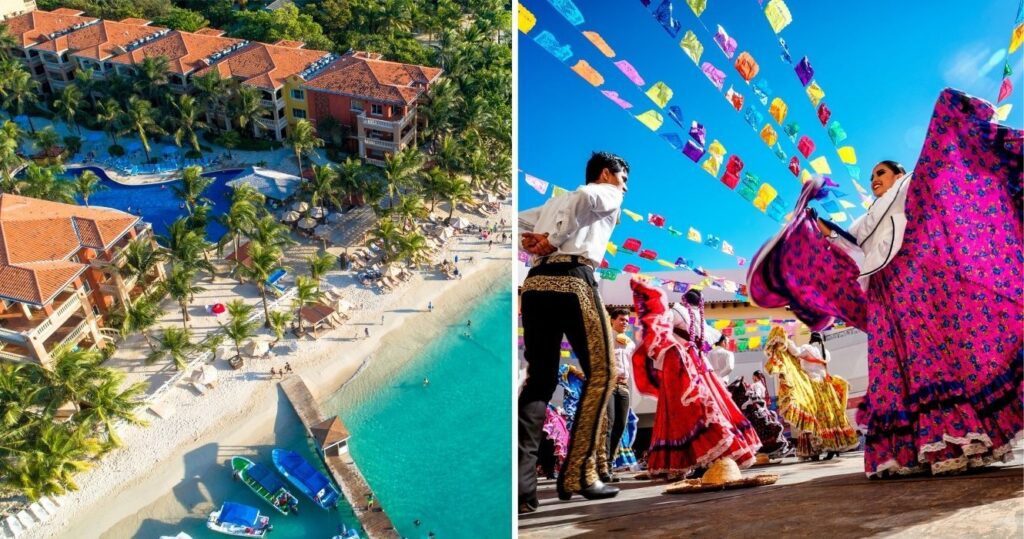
<point>306,478</point>
<point>239,520</point>
<point>265,484</point>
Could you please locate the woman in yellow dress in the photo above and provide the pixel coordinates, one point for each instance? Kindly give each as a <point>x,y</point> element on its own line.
<point>811,400</point>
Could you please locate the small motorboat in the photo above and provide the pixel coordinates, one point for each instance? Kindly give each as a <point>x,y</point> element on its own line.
<point>347,533</point>
<point>239,520</point>
<point>265,484</point>
<point>306,478</point>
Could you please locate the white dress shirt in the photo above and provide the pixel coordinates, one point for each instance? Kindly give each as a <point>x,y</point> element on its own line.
<point>579,223</point>
<point>879,232</point>
<point>722,362</point>
<point>624,356</point>
<point>810,359</point>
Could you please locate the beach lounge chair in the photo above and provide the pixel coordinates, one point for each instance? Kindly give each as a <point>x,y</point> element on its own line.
<point>200,388</point>
<point>38,512</point>
<point>14,526</point>
<point>274,281</point>
<point>48,504</point>
<point>25,519</point>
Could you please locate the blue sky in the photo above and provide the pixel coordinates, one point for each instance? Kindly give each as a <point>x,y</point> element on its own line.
<point>881,65</point>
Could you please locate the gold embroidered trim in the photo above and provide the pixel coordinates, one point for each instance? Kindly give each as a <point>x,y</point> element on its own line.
<point>586,450</point>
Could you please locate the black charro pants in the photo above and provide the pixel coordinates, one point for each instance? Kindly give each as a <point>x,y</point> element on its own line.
<point>561,299</point>
<point>618,412</point>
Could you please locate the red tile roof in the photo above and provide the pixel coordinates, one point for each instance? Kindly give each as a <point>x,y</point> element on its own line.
<point>33,27</point>
<point>100,41</point>
<point>365,76</point>
<point>38,236</point>
<point>185,51</point>
<point>265,66</point>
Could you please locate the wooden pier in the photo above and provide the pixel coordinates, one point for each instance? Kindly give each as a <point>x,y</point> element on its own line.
<point>374,522</point>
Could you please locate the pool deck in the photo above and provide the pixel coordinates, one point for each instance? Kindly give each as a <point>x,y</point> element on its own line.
<point>346,473</point>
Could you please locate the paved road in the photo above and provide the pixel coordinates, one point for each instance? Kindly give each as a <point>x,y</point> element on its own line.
<point>830,499</point>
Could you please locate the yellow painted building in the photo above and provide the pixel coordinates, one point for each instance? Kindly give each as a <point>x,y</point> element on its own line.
<point>295,107</point>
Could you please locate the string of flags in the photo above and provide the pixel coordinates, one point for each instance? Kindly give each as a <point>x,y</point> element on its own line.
<point>761,194</point>
<point>656,220</point>
<point>1006,87</point>
<point>778,15</point>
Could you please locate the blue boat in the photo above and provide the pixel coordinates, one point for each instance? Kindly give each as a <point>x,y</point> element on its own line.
<point>239,520</point>
<point>306,478</point>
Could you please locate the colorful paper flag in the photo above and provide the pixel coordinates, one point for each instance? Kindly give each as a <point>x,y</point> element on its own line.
<point>527,20</point>
<point>725,42</point>
<point>727,248</point>
<point>568,10</point>
<point>550,43</point>
<point>715,75</point>
<point>778,110</point>
<point>746,66</point>
<point>660,93</point>
<point>778,15</point>
<point>691,46</point>
<point>815,93</point>
<point>656,220</point>
<point>538,184</point>
<point>612,249</point>
<point>599,42</point>
<point>614,96</point>
<point>630,72</point>
<point>652,119</point>
<point>804,71</point>
<point>847,155</point>
<point>557,191</point>
<point>820,165</point>
<point>636,217</point>
<point>693,235</point>
<point>589,74</point>
<point>697,6</point>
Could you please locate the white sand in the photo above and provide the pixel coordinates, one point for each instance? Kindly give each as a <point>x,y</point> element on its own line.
<point>240,411</point>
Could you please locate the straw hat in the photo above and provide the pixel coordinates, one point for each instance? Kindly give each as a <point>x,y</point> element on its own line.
<point>722,471</point>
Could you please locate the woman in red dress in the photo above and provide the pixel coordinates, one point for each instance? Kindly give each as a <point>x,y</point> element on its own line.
<point>696,422</point>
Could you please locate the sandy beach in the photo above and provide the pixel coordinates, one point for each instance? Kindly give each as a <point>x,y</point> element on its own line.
<point>166,458</point>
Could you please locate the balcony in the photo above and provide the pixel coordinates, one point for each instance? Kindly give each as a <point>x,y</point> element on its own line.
<point>389,125</point>
<point>377,162</point>
<point>16,328</point>
<point>384,145</point>
<point>270,124</point>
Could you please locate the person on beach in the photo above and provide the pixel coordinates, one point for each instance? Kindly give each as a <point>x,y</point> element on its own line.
<point>938,293</point>
<point>426,381</point>
<point>382,319</point>
<point>567,237</point>
<point>366,331</point>
<point>287,367</point>
<point>273,373</point>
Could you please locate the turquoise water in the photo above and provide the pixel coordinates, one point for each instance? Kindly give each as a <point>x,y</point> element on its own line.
<point>441,453</point>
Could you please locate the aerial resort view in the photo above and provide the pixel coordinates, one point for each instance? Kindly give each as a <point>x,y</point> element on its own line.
<point>255,264</point>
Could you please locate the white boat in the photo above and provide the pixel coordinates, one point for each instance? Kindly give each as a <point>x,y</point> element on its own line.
<point>239,520</point>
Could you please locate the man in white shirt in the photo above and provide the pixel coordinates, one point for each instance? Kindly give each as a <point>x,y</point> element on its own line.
<point>722,360</point>
<point>618,404</point>
<point>567,237</point>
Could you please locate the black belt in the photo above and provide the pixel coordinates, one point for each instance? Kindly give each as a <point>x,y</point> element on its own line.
<point>565,259</point>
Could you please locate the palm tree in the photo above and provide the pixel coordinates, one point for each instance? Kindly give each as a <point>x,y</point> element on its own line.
<point>86,83</point>
<point>21,91</point>
<point>246,105</point>
<point>278,323</point>
<point>60,451</point>
<point>322,186</point>
<point>374,191</point>
<point>109,401</point>
<point>150,77</point>
<point>43,182</point>
<point>187,247</point>
<point>17,394</point>
<point>410,208</point>
<point>111,115</point>
<point>433,185</point>
<point>140,258</point>
<point>211,90</point>
<point>175,344</point>
<point>72,376</point>
<point>413,248</point>
<point>448,156</point>
<point>141,118</point>
<point>186,121</point>
<point>455,191</point>
<point>88,183</point>
<point>306,293</point>
<point>180,285</point>
<point>268,232</point>
<point>7,43</point>
<point>10,143</point>
<point>191,187</point>
<point>477,164</point>
<point>239,327</point>
<point>350,177</point>
<point>263,260</point>
<point>402,170</point>
<point>139,317</point>
<point>237,220</point>
<point>319,265</point>
<point>302,138</point>
<point>46,140</point>
<point>68,104</point>
<point>388,235</point>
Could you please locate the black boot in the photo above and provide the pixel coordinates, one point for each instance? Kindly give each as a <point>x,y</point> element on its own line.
<point>596,491</point>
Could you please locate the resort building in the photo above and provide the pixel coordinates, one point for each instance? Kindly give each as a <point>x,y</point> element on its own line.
<point>38,27</point>
<point>13,8</point>
<point>58,274</point>
<point>186,53</point>
<point>91,47</point>
<point>376,99</point>
<point>268,68</point>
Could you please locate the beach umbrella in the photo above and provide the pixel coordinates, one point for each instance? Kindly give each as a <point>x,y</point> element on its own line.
<point>317,212</point>
<point>491,199</point>
<point>290,217</point>
<point>322,231</point>
<point>334,218</point>
<point>255,348</point>
<point>342,306</point>
<point>218,308</point>
<point>447,232</point>
<point>459,222</point>
<point>307,223</point>
<point>206,374</point>
<point>300,206</point>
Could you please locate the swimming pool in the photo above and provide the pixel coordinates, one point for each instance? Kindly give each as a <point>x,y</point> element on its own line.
<point>157,204</point>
